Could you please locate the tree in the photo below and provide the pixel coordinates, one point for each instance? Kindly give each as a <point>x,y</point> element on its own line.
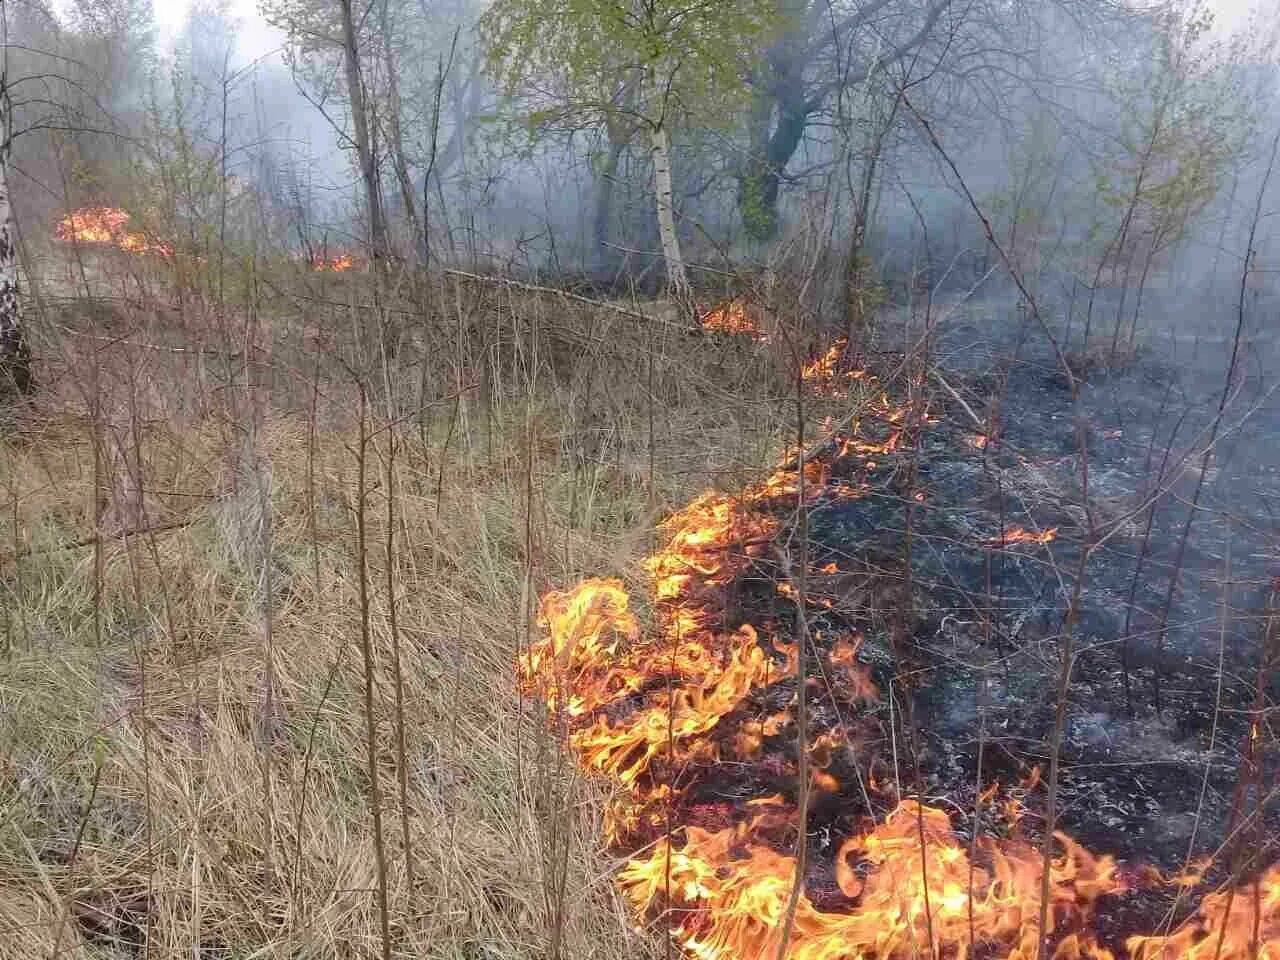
<point>360,120</point>
<point>15,356</point>
<point>320,34</point>
<point>827,46</point>
<point>407,127</point>
<point>1185,118</point>
<point>651,64</point>
<point>117,41</point>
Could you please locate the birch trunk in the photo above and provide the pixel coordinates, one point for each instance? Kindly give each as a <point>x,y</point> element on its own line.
<point>15,358</point>
<point>677,279</point>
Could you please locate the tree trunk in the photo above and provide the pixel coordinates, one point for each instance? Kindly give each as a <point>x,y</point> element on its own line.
<point>677,279</point>
<point>858,305</point>
<point>778,87</point>
<point>1142,286</point>
<point>394,131</point>
<point>15,358</point>
<point>1124,296</point>
<point>783,83</point>
<point>761,175</point>
<point>363,138</point>
<point>855,274</point>
<point>603,258</point>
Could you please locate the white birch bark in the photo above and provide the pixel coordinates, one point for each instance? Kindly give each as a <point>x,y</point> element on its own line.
<point>677,279</point>
<point>15,358</point>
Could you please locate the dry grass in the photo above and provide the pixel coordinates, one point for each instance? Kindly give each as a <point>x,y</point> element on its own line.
<point>183,743</point>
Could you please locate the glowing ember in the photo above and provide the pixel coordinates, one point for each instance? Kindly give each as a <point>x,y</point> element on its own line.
<point>731,317</point>
<point>106,226</point>
<point>1022,535</point>
<point>700,691</point>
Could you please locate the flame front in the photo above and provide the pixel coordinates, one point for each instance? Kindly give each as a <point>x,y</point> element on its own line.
<point>829,373</point>
<point>642,707</point>
<point>730,895</point>
<point>107,226</point>
<point>732,317</point>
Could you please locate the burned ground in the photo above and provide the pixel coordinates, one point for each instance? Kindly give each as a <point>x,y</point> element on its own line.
<point>939,558</point>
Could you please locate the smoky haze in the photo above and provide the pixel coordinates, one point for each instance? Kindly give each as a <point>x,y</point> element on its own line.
<point>510,479</point>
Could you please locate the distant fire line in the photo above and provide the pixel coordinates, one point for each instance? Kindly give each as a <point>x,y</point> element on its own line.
<point>107,226</point>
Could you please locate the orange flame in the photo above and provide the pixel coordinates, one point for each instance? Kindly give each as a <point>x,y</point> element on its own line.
<point>729,894</point>
<point>339,264</point>
<point>824,374</point>
<point>732,317</point>
<point>1017,534</point>
<point>106,226</point>
<point>1229,923</point>
<point>634,702</point>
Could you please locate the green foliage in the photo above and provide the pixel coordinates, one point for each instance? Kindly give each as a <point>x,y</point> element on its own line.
<point>758,219</point>
<point>1188,119</point>
<point>584,62</point>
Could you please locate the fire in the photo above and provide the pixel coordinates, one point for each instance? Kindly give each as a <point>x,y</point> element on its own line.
<point>92,225</point>
<point>1017,534</point>
<point>107,226</point>
<point>729,893</point>
<point>826,374</point>
<point>1244,922</point>
<point>594,655</point>
<point>699,692</point>
<point>339,264</point>
<point>731,317</point>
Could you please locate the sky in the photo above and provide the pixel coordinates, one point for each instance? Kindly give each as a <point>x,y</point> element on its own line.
<point>257,38</point>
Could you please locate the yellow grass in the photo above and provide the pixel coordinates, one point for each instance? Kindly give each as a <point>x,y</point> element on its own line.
<point>183,757</point>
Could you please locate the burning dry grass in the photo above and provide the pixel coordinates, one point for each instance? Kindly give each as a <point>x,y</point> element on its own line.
<point>184,735</point>
<point>673,713</point>
<point>107,226</point>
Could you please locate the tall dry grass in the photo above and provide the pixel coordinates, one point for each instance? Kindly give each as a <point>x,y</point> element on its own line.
<point>185,731</point>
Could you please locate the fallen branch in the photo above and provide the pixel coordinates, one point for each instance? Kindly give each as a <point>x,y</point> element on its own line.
<point>978,422</point>
<point>602,304</point>
<point>100,538</point>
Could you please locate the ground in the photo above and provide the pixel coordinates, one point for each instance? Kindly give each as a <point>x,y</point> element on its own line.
<point>196,578</point>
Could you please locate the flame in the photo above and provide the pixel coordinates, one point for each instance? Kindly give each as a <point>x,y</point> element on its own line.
<point>339,264</point>
<point>106,226</point>
<point>1242,923</point>
<point>729,894</point>
<point>827,374</point>
<point>697,689</point>
<point>1018,534</point>
<point>594,655</point>
<point>731,317</point>
<point>92,225</point>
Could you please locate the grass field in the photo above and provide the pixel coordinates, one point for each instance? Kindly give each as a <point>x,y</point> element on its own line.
<point>238,575</point>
